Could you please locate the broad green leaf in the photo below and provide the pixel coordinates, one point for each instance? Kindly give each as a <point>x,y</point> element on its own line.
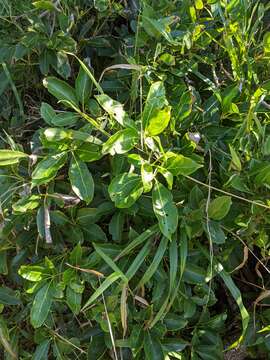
<point>47,168</point>
<point>115,110</point>
<point>175,322</point>
<point>263,176</point>
<point>219,207</point>
<point>32,272</point>
<point>44,5</point>
<point>180,165</point>
<point>174,345</point>
<point>83,86</point>
<point>81,180</point>
<point>74,300</point>
<point>41,305</point>
<point>42,350</point>
<point>10,157</point>
<point>26,204</point>
<point>266,42</point>
<point>61,90</point>
<point>105,284</point>
<point>156,100</point>
<point>199,4</point>
<point>216,232</point>
<point>152,347</point>
<point>120,142</point>
<point>55,134</point>
<point>47,113</point>
<point>125,189</point>
<point>158,28</point>
<point>147,176</point>
<point>88,152</point>
<point>159,121</point>
<point>165,210</point>
<point>8,296</point>
<point>116,226</point>
<point>65,118</point>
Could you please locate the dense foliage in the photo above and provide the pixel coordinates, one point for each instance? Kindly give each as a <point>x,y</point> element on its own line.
<point>134,171</point>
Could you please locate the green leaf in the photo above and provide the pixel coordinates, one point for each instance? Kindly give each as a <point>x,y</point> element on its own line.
<point>156,100</point>
<point>147,176</point>
<point>152,347</point>
<point>10,157</point>
<point>106,283</point>
<point>266,146</point>
<point>42,350</point>
<point>120,142</point>
<point>47,168</point>
<point>236,163</point>
<point>26,204</point>
<point>159,121</point>
<point>8,296</point>
<point>3,262</point>
<point>219,207</point>
<point>74,300</point>
<point>115,110</point>
<point>44,5</point>
<point>81,180</point>
<point>155,263</point>
<point>32,272</point>
<point>65,118</point>
<point>47,113</point>
<point>83,86</point>
<point>216,233</point>
<point>110,262</point>
<point>41,305</point>
<point>180,165</point>
<point>116,226</point>
<point>236,294</point>
<point>89,152</point>
<point>125,189</point>
<point>174,345</point>
<point>61,90</point>
<point>165,210</point>
<point>139,259</point>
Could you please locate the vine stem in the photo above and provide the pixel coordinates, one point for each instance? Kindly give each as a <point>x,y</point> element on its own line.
<point>227,193</point>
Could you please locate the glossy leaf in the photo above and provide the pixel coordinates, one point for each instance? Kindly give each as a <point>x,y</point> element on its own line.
<point>180,165</point>
<point>125,189</point>
<point>83,86</point>
<point>81,180</point>
<point>165,210</point>
<point>156,100</point>
<point>159,121</point>
<point>10,157</point>
<point>61,90</point>
<point>115,110</point>
<point>47,168</point>
<point>120,142</point>
<point>41,305</point>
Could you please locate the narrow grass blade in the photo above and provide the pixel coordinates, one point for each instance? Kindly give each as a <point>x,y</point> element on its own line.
<point>100,290</point>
